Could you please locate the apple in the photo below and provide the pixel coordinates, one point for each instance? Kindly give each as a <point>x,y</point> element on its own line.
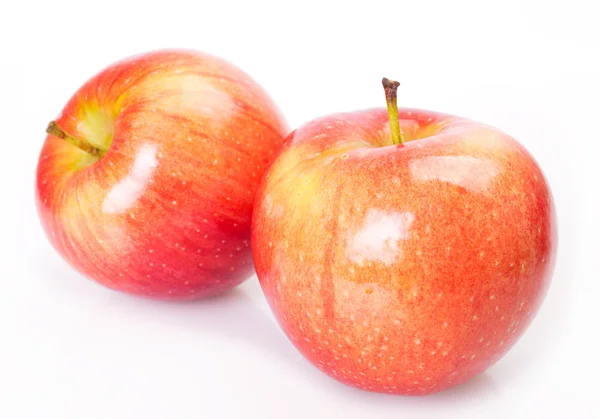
<point>403,251</point>
<point>146,180</point>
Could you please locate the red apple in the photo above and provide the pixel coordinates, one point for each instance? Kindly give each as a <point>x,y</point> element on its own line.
<point>146,180</point>
<point>403,267</point>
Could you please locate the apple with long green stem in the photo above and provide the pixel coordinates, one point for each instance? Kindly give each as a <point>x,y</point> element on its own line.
<point>403,251</point>
<point>147,178</point>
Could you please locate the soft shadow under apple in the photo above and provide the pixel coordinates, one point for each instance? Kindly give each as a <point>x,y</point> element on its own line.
<point>233,314</point>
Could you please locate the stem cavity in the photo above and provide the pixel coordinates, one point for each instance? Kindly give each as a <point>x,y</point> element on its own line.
<point>55,130</point>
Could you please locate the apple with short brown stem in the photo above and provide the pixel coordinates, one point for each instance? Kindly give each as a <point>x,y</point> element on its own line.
<point>146,180</point>
<point>403,260</point>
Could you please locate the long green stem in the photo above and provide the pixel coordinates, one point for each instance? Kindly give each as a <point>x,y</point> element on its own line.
<point>55,130</point>
<point>391,89</point>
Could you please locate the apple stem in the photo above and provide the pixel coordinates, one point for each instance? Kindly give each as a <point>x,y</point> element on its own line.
<point>55,130</point>
<point>391,89</point>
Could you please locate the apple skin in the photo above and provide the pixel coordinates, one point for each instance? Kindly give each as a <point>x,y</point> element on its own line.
<point>409,268</point>
<point>166,212</point>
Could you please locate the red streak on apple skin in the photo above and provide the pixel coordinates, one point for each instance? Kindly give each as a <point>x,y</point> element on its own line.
<point>166,212</point>
<point>409,269</point>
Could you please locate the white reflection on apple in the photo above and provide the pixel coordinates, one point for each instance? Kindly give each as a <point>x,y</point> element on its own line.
<point>469,172</point>
<point>379,238</point>
<point>124,194</point>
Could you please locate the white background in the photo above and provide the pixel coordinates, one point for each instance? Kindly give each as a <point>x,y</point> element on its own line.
<point>71,349</point>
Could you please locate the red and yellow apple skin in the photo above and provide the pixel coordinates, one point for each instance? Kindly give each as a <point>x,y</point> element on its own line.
<point>407,268</point>
<point>164,211</point>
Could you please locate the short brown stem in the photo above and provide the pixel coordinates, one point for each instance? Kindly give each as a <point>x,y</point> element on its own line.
<point>391,89</point>
<point>55,130</point>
